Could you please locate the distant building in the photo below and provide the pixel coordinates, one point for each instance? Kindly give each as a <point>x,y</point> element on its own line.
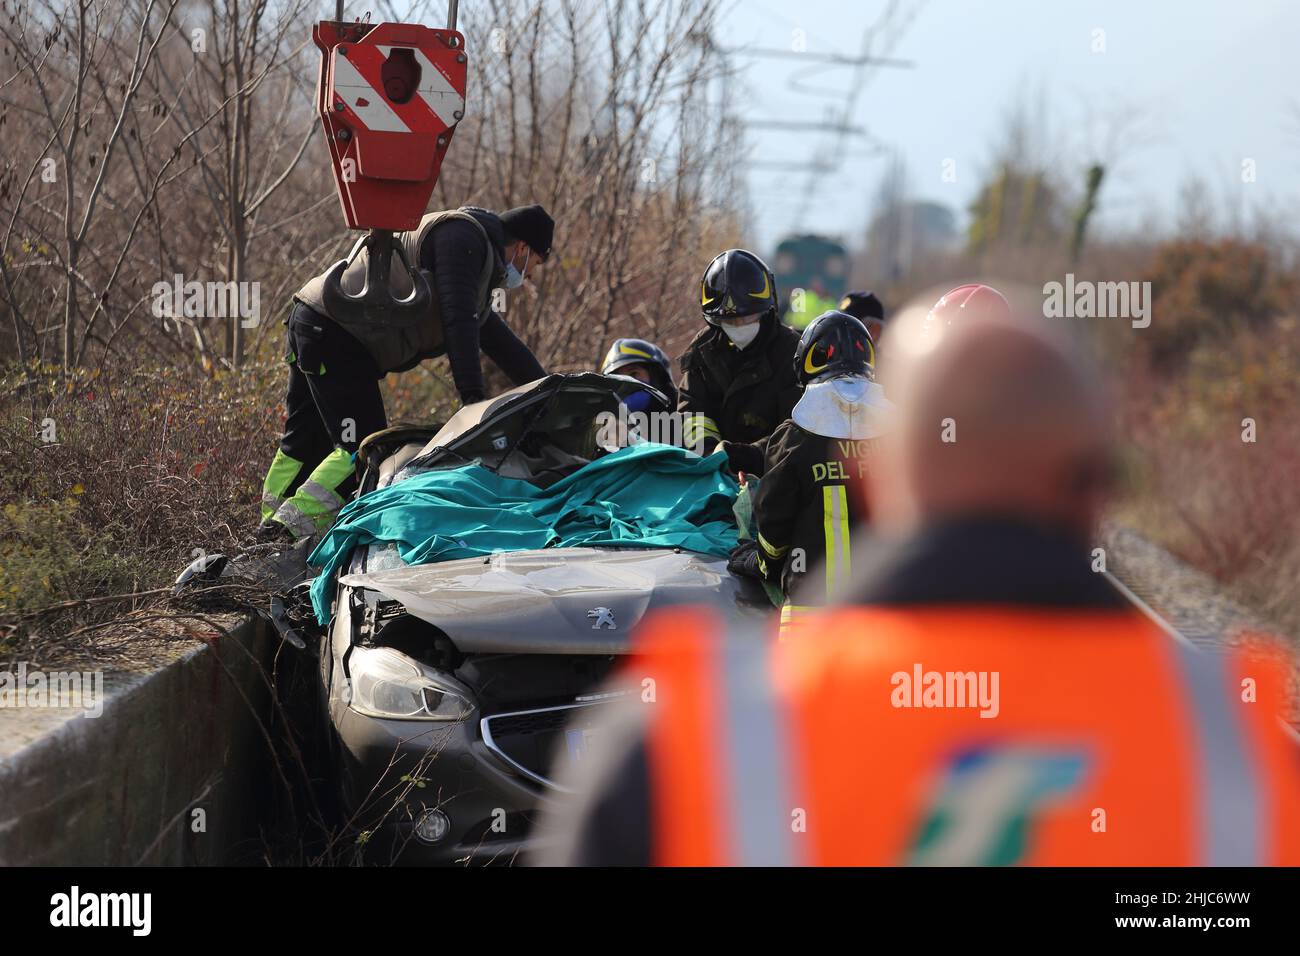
<point>904,232</point>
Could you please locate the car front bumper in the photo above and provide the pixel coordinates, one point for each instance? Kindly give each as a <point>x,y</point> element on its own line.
<point>393,770</point>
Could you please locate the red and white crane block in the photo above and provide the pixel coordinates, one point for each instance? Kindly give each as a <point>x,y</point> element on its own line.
<point>389,96</point>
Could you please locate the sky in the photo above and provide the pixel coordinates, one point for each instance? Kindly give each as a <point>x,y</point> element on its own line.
<point>1182,89</point>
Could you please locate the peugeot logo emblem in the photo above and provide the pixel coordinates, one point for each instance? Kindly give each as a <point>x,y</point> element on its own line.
<point>604,618</point>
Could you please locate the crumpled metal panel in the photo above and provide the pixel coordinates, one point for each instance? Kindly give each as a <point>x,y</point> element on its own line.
<point>557,601</point>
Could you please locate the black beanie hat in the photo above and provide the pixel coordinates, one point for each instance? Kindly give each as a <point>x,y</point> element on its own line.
<point>533,225</point>
<point>863,306</point>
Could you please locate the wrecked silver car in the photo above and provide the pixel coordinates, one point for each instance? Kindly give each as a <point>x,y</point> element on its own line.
<point>454,686</point>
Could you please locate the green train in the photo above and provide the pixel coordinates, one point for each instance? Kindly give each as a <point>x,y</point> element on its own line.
<point>811,274</point>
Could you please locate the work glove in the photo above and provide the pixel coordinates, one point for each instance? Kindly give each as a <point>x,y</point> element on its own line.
<point>743,457</point>
<point>744,560</point>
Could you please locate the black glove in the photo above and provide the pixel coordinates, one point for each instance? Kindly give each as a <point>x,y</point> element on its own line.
<point>743,457</point>
<point>744,560</point>
<point>470,397</point>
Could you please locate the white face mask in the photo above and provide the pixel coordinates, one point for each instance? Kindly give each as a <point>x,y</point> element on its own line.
<point>742,335</point>
<point>515,277</point>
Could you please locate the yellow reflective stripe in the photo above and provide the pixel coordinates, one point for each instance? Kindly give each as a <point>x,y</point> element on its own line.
<point>703,423</point>
<point>835,523</point>
<point>770,548</point>
<point>791,614</point>
<point>791,611</point>
<point>698,426</point>
<point>284,469</point>
<point>808,364</point>
<point>628,350</point>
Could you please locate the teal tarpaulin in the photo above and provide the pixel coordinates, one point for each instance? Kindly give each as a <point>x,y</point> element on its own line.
<point>648,495</point>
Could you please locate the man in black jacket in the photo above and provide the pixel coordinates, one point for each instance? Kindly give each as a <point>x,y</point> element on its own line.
<point>738,379</point>
<point>336,356</point>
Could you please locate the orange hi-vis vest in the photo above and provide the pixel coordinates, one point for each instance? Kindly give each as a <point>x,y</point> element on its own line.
<point>969,736</point>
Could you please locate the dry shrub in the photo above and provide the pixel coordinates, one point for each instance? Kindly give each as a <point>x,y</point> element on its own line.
<point>111,479</point>
<point>1225,505</point>
<point>1210,289</point>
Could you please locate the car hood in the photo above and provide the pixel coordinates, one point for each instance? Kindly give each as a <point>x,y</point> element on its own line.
<point>557,601</point>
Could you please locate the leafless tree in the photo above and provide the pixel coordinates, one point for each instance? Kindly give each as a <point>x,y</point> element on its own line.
<point>163,137</point>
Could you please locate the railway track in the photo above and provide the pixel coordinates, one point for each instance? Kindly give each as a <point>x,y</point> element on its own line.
<point>1185,603</point>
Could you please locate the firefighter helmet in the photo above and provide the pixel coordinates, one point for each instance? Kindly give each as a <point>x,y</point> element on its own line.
<point>835,343</point>
<point>627,352</point>
<point>737,283</point>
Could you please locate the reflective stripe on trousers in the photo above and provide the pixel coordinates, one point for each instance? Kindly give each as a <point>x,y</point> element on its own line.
<point>317,501</point>
<point>792,613</point>
<point>835,521</point>
<point>1231,812</point>
<point>756,745</point>
<point>279,478</point>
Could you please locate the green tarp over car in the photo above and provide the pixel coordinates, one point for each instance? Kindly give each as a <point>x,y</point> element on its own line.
<point>643,496</point>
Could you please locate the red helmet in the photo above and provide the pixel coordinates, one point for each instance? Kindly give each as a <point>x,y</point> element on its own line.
<point>966,300</point>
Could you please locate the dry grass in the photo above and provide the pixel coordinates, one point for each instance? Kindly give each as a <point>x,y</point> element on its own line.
<point>1227,506</point>
<point>111,480</point>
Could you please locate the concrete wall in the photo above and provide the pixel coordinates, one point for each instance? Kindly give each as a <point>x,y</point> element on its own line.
<point>121,788</point>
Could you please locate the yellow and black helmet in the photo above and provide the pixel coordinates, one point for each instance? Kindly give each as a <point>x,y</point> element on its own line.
<point>835,343</point>
<point>737,283</point>
<point>626,352</point>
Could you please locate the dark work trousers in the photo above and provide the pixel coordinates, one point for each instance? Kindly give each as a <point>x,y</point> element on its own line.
<point>333,403</point>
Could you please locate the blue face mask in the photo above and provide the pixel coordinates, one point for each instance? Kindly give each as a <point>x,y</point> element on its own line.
<point>514,275</point>
<point>637,402</point>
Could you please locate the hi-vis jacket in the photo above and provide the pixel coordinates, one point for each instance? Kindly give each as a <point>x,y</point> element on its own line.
<point>963,736</point>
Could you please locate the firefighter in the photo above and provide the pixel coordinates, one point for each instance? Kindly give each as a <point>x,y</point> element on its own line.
<point>643,361</point>
<point>336,362</point>
<point>987,699</point>
<point>812,494</point>
<point>867,308</point>
<point>738,379</point>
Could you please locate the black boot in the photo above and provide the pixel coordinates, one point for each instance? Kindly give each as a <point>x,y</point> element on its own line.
<point>271,531</point>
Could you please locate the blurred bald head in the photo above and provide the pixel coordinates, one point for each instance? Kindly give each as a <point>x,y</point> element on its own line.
<point>997,415</point>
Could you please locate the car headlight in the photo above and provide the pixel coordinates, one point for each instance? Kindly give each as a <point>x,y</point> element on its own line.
<point>387,683</point>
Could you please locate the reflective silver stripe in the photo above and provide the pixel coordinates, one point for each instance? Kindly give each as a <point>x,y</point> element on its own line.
<point>293,519</point>
<point>1228,793</point>
<point>326,497</point>
<point>271,501</point>
<point>756,749</point>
